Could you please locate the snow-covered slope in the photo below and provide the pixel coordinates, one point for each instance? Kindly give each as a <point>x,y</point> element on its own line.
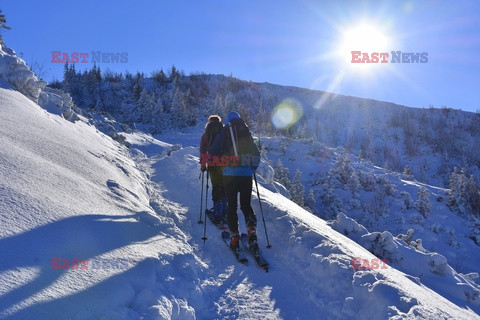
<point>69,194</point>
<point>381,200</point>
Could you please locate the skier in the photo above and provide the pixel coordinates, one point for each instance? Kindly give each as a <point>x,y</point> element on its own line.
<point>235,140</point>
<point>212,128</point>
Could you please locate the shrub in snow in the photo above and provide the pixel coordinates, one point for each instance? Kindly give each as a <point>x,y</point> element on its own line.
<point>174,148</point>
<point>417,244</point>
<point>437,228</point>
<point>15,71</point>
<point>367,180</point>
<point>266,171</point>
<point>318,149</point>
<point>348,226</point>
<point>452,238</point>
<point>332,204</point>
<point>344,168</point>
<point>389,188</point>
<point>283,146</point>
<point>407,201</point>
<point>423,204</point>
<point>406,237</point>
<point>353,184</point>
<point>381,244</point>
<point>380,203</point>
<point>407,172</point>
<point>438,264</point>
<point>119,138</point>
<point>58,102</point>
<point>415,218</point>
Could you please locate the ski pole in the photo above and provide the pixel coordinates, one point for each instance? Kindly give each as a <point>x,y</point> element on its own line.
<point>206,206</point>
<point>261,210</point>
<point>201,199</point>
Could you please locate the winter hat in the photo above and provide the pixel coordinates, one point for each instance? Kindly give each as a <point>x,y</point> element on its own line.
<point>232,115</point>
<point>214,118</point>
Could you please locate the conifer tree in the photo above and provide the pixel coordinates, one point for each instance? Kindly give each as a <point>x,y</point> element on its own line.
<point>3,25</point>
<point>297,190</point>
<point>423,203</point>
<point>282,174</point>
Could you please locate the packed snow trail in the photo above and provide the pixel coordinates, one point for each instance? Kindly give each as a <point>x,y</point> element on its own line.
<point>71,192</point>
<point>311,273</point>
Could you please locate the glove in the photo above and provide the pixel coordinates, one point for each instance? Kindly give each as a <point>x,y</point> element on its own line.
<point>203,168</point>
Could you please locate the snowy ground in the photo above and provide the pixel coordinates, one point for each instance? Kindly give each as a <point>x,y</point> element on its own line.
<point>68,191</point>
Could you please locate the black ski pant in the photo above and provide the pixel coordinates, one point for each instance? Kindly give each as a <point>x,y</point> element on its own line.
<point>233,186</point>
<point>217,187</point>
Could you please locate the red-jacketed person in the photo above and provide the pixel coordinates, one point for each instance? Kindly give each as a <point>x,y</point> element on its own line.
<point>212,128</point>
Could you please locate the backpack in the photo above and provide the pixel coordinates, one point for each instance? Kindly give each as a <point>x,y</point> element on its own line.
<point>245,145</point>
<point>212,129</point>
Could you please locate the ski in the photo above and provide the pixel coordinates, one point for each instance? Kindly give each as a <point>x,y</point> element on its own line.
<point>226,237</point>
<point>238,253</point>
<point>257,255</point>
<point>210,215</point>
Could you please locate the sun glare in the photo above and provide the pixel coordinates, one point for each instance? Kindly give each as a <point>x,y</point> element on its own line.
<point>363,37</point>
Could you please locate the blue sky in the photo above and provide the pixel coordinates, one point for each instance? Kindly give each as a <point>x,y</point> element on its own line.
<point>283,42</point>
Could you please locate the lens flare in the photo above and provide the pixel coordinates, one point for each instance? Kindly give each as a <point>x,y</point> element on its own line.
<point>287,113</point>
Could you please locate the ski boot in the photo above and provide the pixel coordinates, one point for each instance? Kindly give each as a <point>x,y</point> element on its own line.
<point>252,238</point>
<point>234,242</point>
<point>218,214</point>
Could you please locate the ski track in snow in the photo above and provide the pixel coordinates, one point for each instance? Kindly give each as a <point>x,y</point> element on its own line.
<point>69,191</point>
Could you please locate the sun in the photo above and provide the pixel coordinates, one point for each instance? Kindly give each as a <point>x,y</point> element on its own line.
<point>364,37</point>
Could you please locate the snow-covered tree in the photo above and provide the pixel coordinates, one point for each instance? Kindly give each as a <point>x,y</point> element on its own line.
<point>137,86</point>
<point>344,168</point>
<point>180,109</point>
<point>386,184</point>
<point>174,74</point>
<point>457,190</point>
<point>464,194</point>
<point>159,77</point>
<point>367,180</point>
<point>282,174</point>
<point>159,116</point>
<point>472,195</point>
<point>332,204</point>
<point>407,171</point>
<point>353,184</point>
<point>423,204</point>
<point>145,109</point>
<point>379,204</point>
<point>311,202</point>
<point>297,190</point>
<point>283,146</point>
<point>407,201</point>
